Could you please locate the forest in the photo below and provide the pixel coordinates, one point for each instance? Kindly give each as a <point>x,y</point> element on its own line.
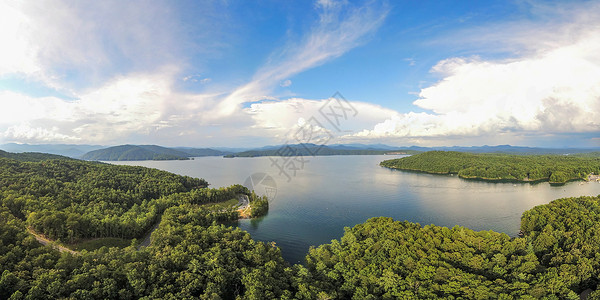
<point>68,200</point>
<point>147,152</point>
<point>194,254</point>
<point>505,167</point>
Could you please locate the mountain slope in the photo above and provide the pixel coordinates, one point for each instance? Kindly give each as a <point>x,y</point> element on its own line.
<point>313,149</point>
<point>30,156</point>
<point>69,150</point>
<point>134,152</point>
<point>148,152</point>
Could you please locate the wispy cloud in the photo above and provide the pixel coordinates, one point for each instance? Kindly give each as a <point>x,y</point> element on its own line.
<point>547,26</point>
<point>197,78</point>
<point>124,65</point>
<point>286,83</point>
<point>124,74</point>
<point>340,28</point>
<point>76,45</point>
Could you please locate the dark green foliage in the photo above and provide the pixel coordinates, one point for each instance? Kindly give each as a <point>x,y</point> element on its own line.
<point>383,259</point>
<point>148,152</point>
<point>134,152</point>
<point>71,199</point>
<point>552,168</point>
<point>30,156</point>
<point>259,205</point>
<point>566,236</point>
<point>192,255</point>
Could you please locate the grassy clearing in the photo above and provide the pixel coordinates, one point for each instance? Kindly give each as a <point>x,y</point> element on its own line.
<point>222,205</point>
<point>94,244</point>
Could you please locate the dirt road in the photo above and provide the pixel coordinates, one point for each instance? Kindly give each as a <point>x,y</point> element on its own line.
<point>47,242</point>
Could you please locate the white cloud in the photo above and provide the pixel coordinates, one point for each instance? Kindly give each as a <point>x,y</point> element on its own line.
<point>280,118</point>
<point>24,132</point>
<point>197,78</point>
<point>120,107</point>
<point>549,91</point>
<point>139,104</point>
<point>69,45</point>
<point>552,87</point>
<point>340,28</point>
<point>286,83</point>
<point>16,53</point>
<point>122,60</point>
<point>543,26</point>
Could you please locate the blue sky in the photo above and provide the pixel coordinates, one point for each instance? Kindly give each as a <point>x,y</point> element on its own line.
<point>245,73</point>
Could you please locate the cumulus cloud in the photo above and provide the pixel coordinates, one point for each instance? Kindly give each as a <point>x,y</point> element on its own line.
<point>69,45</point>
<point>280,118</point>
<point>16,54</point>
<point>119,61</point>
<point>107,113</point>
<point>551,86</point>
<point>550,91</point>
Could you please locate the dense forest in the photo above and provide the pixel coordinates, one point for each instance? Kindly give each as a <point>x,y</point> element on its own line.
<point>148,152</point>
<point>69,199</point>
<point>193,255</point>
<point>259,205</point>
<point>30,156</point>
<point>529,168</point>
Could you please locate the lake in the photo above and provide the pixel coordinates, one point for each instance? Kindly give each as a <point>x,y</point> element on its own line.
<point>329,193</point>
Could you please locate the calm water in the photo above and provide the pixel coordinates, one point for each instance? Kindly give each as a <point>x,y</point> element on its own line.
<point>332,192</point>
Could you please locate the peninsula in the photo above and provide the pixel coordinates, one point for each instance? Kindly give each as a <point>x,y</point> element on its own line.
<point>501,167</point>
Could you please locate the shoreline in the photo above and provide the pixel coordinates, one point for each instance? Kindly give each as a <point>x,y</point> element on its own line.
<point>491,180</point>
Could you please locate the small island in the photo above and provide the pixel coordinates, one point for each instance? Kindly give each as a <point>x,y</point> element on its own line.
<point>556,169</point>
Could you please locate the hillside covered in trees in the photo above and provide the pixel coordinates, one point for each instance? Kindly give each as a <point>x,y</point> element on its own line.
<point>526,168</point>
<point>30,156</point>
<point>193,255</point>
<point>148,152</point>
<point>70,199</point>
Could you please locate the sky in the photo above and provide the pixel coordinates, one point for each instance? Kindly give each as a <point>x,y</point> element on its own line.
<point>255,73</point>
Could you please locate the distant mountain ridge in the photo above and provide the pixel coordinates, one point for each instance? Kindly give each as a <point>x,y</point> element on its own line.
<point>508,149</point>
<point>154,152</point>
<point>148,152</point>
<point>70,150</point>
<point>319,150</point>
<point>378,149</point>
<point>31,156</point>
